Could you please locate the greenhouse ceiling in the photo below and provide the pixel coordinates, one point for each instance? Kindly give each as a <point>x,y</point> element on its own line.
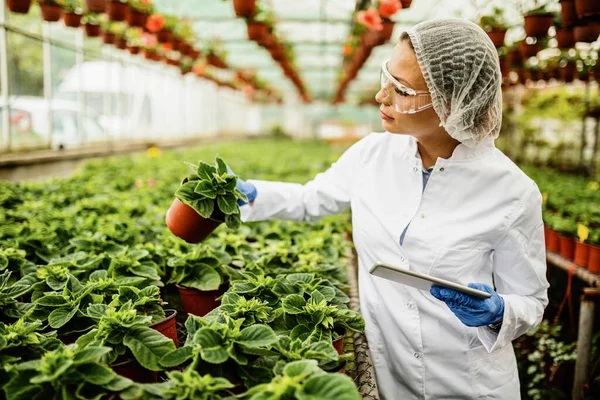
<point>317,30</point>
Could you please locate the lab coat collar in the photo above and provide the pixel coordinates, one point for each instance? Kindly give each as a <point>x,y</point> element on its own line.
<point>461,152</point>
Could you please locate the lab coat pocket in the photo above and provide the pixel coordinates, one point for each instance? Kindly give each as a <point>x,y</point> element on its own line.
<point>492,370</point>
<point>461,265</point>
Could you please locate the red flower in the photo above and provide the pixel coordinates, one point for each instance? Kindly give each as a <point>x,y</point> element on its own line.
<point>199,69</point>
<point>387,8</point>
<point>166,47</point>
<point>370,19</point>
<point>348,50</point>
<point>147,2</point>
<point>156,22</point>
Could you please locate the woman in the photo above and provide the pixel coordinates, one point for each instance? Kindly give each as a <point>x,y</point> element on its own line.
<point>432,194</point>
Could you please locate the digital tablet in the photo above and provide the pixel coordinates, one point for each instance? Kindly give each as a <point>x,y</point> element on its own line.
<point>421,281</point>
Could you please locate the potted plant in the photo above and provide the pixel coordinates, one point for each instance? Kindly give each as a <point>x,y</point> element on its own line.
<point>108,36</point>
<point>96,6</point>
<point>538,20</point>
<point>162,26</point>
<point>568,67</point>
<point>584,32</point>
<point>205,199</point>
<point>51,10</point>
<point>244,8</point>
<point>150,45</point>
<point>368,26</point>
<point>91,22</point>
<point>72,13</point>
<point>114,33</point>
<point>183,33</point>
<point>495,26</point>
<point>567,229</point>
<point>567,12</point>
<point>139,10</point>
<point>594,257</point>
<point>564,35</point>
<point>19,6</point>
<point>200,278</point>
<point>259,24</point>
<point>529,48</point>
<point>387,9</point>
<point>117,10</point>
<point>134,40</point>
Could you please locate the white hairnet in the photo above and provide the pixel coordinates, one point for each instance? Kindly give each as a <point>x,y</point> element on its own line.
<point>461,68</point>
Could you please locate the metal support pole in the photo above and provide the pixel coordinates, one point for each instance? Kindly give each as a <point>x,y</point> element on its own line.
<point>595,150</point>
<point>5,114</point>
<point>583,125</point>
<point>47,51</point>
<point>79,60</point>
<point>584,340</point>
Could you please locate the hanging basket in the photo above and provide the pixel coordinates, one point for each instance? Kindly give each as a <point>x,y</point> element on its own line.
<point>136,19</point>
<point>386,33</point>
<point>497,37</point>
<point>567,12</point>
<point>529,50</point>
<point>537,25</point>
<point>256,31</point>
<point>92,30</point>
<point>117,11</point>
<point>244,8</point>
<point>19,6</point>
<point>51,12</point>
<point>72,20</point>
<point>96,6</point>
<point>587,8</point>
<point>565,38</point>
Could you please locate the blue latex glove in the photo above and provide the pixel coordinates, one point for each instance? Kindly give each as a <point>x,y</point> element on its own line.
<point>471,310</point>
<point>245,187</point>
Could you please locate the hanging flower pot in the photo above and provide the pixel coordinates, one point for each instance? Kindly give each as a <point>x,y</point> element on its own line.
<point>133,50</point>
<point>529,50</point>
<point>406,3</point>
<point>370,39</point>
<point>594,259</point>
<point>567,12</point>
<point>537,25</point>
<point>268,40</point>
<point>198,302</point>
<point>176,44</point>
<point>244,8</point>
<point>72,20</point>
<point>121,43</point>
<point>584,33</point>
<point>136,19</point>
<point>567,73</point>
<point>553,241</point>
<point>565,38</point>
<point>168,326</point>
<point>587,8</point>
<point>92,30</point>
<point>116,10</point>
<point>497,37</point>
<point>257,30</point>
<point>277,53</point>
<point>215,61</point>
<point>19,6</point>
<point>108,38</point>
<point>386,33</point>
<point>96,6</point>
<point>567,247</point>
<point>164,36</point>
<point>582,254</point>
<point>51,12</point>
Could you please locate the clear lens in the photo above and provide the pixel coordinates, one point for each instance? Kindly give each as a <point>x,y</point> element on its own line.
<point>404,99</point>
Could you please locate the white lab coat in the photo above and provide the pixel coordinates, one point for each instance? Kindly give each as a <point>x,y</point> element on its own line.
<point>478,220</point>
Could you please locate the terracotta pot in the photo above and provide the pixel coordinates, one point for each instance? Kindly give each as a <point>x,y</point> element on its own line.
<point>92,30</point>
<point>184,222</point>
<point>51,12</point>
<point>97,6</point>
<point>72,20</point>
<point>134,50</point>
<point>244,8</point>
<point>584,33</point>
<point>216,62</point>
<point>567,73</point>
<point>198,302</point>
<point>174,63</point>
<point>176,44</point>
<point>108,38</point>
<point>388,30</point>
<point>116,10</point>
<point>121,43</point>
<point>565,38</point>
<point>594,259</point>
<point>497,37</point>
<point>406,3</point>
<point>149,54</point>
<point>133,370</point>
<point>256,31</point>
<point>136,19</point>
<point>168,326</point>
<point>567,247</point>
<point>529,50</point>
<point>268,40</point>
<point>164,36</point>
<point>370,38</point>
<point>538,25</point>
<point>339,345</point>
<point>552,241</point>
<point>277,53</point>
<point>582,254</point>
<point>19,6</point>
<point>594,27</point>
<point>567,12</point>
<point>586,8</point>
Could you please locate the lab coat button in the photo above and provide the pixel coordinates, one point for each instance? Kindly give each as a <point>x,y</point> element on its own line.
<point>416,355</point>
<point>415,169</point>
<point>409,305</point>
<point>442,169</point>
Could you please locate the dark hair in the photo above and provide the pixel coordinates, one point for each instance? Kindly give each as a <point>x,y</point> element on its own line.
<point>404,37</point>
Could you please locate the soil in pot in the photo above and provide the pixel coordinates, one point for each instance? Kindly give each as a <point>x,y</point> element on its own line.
<point>136,19</point>
<point>184,222</point>
<point>567,12</point>
<point>168,326</point>
<point>133,370</point>
<point>97,6</point>
<point>497,37</point>
<point>51,12</point>
<point>553,241</point>
<point>256,31</point>
<point>244,8</point>
<point>199,302</point>
<point>117,11</point>
<point>538,25</point>
<point>567,247</point>
<point>72,20</point>
<point>92,30</point>
<point>594,259</point>
<point>582,254</point>
<point>19,6</point>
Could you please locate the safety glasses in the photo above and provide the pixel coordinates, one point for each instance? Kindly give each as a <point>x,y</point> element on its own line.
<point>405,100</point>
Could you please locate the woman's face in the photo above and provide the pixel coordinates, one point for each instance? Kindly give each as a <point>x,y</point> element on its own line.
<point>405,68</point>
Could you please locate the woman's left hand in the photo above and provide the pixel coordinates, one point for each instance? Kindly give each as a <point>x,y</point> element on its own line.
<point>470,310</point>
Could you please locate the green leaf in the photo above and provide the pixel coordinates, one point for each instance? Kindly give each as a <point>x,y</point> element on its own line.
<point>233,221</point>
<point>329,386</point>
<point>212,346</point>
<point>205,171</point>
<point>97,311</point>
<point>227,204</point>
<point>59,317</point>
<point>221,166</point>
<point>118,383</point>
<point>51,300</point>
<point>56,284</point>
<point>206,189</point>
<point>203,278</point>
<point>204,207</point>
<point>96,374</point>
<point>301,368</point>
<point>177,357</point>
<point>257,336</point>
<point>294,304</point>
<point>59,369</point>
<point>148,346</point>
<point>90,354</point>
